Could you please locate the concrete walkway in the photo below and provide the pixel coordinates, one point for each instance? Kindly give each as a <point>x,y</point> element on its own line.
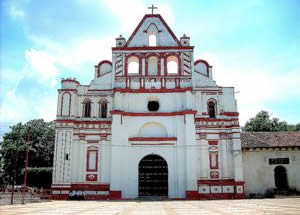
<point>212,207</point>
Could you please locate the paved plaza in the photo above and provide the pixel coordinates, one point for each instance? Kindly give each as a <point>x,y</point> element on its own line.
<point>257,206</point>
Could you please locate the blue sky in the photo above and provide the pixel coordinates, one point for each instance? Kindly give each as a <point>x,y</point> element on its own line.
<point>252,45</point>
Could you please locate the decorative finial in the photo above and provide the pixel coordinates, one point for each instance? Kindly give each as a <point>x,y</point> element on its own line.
<point>152,8</point>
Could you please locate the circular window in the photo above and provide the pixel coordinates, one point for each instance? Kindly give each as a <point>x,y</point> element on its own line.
<point>153,105</point>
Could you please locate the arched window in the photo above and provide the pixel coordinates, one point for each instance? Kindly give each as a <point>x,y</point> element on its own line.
<point>133,65</point>
<point>152,40</point>
<point>152,65</point>
<point>87,108</point>
<point>172,65</point>
<point>103,109</point>
<point>211,108</point>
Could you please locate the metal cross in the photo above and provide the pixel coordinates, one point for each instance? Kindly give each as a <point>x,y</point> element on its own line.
<point>152,8</point>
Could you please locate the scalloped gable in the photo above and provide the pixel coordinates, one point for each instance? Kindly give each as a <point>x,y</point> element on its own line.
<point>149,24</point>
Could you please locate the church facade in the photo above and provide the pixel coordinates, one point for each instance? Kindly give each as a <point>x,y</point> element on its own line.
<point>152,122</point>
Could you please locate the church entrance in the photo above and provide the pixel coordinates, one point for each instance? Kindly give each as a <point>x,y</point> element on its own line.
<point>280,176</point>
<point>153,176</point>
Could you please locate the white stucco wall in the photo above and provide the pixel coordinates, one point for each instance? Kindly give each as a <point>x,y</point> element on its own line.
<point>259,174</point>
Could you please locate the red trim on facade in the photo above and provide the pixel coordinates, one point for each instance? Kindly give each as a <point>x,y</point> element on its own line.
<point>230,113</point>
<point>88,169</point>
<point>115,194</point>
<point>59,196</point>
<point>148,144</point>
<point>164,90</point>
<point>152,139</point>
<point>67,90</point>
<point>158,64</point>
<point>95,187</point>
<point>91,177</point>
<point>154,114</point>
<point>220,182</point>
<point>201,119</point>
<point>204,62</point>
<point>99,66</point>
<point>96,197</point>
<point>62,103</point>
<point>82,122</point>
<point>139,57</point>
<point>192,195</point>
<point>213,142</point>
<point>141,23</point>
<point>70,80</point>
<point>151,48</point>
<point>210,160</point>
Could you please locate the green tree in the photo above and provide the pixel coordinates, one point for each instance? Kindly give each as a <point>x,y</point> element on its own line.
<point>263,122</point>
<point>13,148</point>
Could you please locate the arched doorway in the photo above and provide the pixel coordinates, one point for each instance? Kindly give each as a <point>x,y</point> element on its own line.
<point>280,176</point>
<point>153,176</point>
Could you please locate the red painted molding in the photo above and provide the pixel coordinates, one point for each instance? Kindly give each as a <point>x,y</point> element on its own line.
<point>212,142</point>
<point>70,80</point>
<point>230,113</point>
<point>88,169</point>
<point>201,119</point>
<point>104,61</point>
<point>91,177</point>
<point>59,196</point>
<point>95,187</point>
<point>163,90</point>
<point>62,103</point>
<point>96,197</point>
<point>148,144</point>
<point>217,160</point>
<point>158,48</point>
<point>154,114</point>
<point>192,194</point>
<point>152,139</point>
<point>115,194</point>
<point>220,182</point>
<point>82,122</point>
<point>67,90</point>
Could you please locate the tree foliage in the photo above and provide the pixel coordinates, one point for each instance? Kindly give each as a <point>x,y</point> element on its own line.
<point>263,122</point>
<point>13,149</point>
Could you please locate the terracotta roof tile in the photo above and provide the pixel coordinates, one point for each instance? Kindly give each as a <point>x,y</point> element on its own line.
<point>270,139</point>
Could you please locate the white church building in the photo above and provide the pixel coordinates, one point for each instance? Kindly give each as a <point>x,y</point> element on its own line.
<point>152,122</point>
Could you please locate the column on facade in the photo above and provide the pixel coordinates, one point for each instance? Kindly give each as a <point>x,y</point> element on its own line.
<point>224,158</point>
<point>191,153</point>
<point>237,160</point>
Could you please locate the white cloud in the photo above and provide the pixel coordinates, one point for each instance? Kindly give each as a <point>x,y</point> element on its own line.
<point>255,86</point>
<point>42,65</point>
<point>16,13</point>
<point>130,12</point>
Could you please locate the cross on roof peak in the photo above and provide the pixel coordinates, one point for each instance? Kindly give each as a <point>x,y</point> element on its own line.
<point>152,8</point>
